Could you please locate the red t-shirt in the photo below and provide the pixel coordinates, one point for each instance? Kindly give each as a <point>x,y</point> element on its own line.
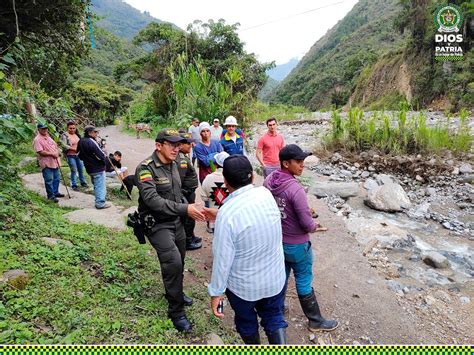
<point>271,146</point>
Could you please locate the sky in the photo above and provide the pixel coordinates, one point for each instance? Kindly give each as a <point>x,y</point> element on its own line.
<point>274,30</point>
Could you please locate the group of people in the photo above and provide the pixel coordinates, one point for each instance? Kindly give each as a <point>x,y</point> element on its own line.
<point>261,234</point>
<point>81,153</point>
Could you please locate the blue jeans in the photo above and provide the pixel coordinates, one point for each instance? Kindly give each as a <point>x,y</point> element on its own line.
<point>77,167</point>
<point>269,309</point>
<point>100,190</point>
<point>299,257</point>
<point>51,182</point>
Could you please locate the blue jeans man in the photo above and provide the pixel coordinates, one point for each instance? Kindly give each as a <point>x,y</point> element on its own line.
<point>51,182</point>
<point>77,168</point>
<point>100,189</point>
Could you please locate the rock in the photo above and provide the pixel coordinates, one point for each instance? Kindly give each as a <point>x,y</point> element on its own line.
<point>384,179</point>
<point>24,162</point>
<point>443,296</point>
<point>54,241</point>
<point>16,278</point>
<point>388,198</point>
<point>465,168</point>
<point>435,260</point>
<point>394,285</point>
<point>311,161</point>
<point>371,168</point>
<point>341,189</point>
<point>467,179</point>
<point>312,337</point>
<point>214,339</point>
<point>447,225</point>
<point>357,165</point>
<point>430,300</point>
<point>365,174</point>
<point>345,173</point>
<point>419,178</point>
<point>370,245</point>
<point>465,300</point>
<point>370,184</point>
<point>336,157</point>
<point>455,171</point>
<point>430,191</point>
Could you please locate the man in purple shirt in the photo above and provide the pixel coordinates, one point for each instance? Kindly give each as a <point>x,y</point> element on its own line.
<point>297,223</point>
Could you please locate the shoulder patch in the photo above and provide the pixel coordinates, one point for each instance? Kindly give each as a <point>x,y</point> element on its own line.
<point>145,175</point>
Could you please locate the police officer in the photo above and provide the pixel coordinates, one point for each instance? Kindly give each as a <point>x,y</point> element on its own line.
<point>161,206</point>
<point>189,184</point>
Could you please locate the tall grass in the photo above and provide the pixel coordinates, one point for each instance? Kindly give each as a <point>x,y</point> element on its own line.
<point>397,133</point>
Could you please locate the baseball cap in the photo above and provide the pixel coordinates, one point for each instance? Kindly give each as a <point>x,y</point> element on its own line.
<point>292,151</point>
<point>195,119</point>
<point>231,120</point>
<point>90,128</point>
<point>220,157</point>
<point>41,125</point>
<point>187,136</point>
<point>169,135</point>
<point>237,169</point>
<point>215,120</point>
<point>204,125</point>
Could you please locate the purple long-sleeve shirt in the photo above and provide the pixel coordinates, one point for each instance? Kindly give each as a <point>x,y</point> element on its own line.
<point>296,219</point>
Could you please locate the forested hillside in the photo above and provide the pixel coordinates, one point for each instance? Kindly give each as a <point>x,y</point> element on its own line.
<point>380,53</point>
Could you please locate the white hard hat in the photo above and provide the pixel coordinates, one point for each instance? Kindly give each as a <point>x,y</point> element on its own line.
<point>231,120</point>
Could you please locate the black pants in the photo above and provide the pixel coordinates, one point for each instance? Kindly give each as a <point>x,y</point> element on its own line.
<point>189,223</point>
<point>169,242</point>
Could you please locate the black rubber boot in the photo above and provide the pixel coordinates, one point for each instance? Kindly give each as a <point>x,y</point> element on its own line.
<point>310,307</point>
<point>182,324</point>
<point>277,337</point>
<point>188,301</point>
<point>251,339</point>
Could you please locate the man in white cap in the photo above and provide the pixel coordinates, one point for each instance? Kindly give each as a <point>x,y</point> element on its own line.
<point>232,142</point>
<point>194,130</point>
<point>216,130</point>
<point>205,151</point>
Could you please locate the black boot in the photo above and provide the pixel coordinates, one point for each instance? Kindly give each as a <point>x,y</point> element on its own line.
<point>188,301</point>
<point>310,307</point>
<point>277,337</point>
<point>251,339</point>
<point>182,324</point>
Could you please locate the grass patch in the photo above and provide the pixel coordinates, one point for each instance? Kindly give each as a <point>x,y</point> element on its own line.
<point>261,111</point>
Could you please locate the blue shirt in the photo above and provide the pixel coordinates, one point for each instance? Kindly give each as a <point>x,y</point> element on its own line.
<point>247,246</point>
<point>232,147</point>
<point>205,153</point>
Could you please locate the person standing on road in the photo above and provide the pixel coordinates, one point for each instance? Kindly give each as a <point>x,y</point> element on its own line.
<point>268,148</point>
<point>232,142</point>
<point>47,153</point>
<point>297,223</point>
<point>162,208</point>
<point>206,150</point>
<point>189,184</point>
<point>248,262</point>
<point>194,130</point>
<point>216,130</point>
<point>69,140</point>
<point>94,160</point>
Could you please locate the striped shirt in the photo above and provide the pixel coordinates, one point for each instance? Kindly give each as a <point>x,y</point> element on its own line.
<point>247,248</point>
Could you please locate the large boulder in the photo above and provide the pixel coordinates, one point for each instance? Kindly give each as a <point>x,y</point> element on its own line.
<point>311,161</point>
<point>435,260</point>
<point>388,198</point>
<point>341,189</point>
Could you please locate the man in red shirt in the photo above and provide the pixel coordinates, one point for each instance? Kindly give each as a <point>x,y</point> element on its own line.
<point>268,148</point>
<point>48,158</point>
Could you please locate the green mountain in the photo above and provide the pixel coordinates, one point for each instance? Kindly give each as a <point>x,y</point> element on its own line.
<point>379,54</point>
<point>120,18</point>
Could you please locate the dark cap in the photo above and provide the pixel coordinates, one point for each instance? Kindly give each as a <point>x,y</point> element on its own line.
<point>169,135</point>
<point>90,128</point>
<point>187,136</point>
<point>292,151</point>
<point>237,170</point>
<point>41,125</point>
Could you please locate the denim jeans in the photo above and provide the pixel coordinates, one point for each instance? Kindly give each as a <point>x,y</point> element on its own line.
<point>299,257</point>
<point>77,167</point>
<point>270,311</point>
<point>51,182</point>
<point>100,190</point>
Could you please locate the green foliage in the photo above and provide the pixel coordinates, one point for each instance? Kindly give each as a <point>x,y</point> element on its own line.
<point>261,111</point>
<point>398,133</point>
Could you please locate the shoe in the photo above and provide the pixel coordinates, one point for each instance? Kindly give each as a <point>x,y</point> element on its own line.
<point>107,205</point>
<point>310,307</point>
<point>84,185</point>
<point>188,301</point>
<point>277,337</point>
<point>193,246</point>
<point>196,239</point>
<point>54,199</point>
<point>182,324</point>
<point>251,339</point>
<point>59,195</point>
<point>75,188</point>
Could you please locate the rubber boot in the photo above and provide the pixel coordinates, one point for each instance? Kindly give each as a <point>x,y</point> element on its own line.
<point>310,307</point>
<point>251,339</point>
<point>277,337</point>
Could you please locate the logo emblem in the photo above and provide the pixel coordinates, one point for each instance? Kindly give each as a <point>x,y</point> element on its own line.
<point>448,19</point>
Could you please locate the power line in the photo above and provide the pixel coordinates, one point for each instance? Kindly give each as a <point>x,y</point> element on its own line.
<point>291,16</point>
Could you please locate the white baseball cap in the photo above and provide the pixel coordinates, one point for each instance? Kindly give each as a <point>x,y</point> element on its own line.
<point>220,157</point>
<point>231,120</point>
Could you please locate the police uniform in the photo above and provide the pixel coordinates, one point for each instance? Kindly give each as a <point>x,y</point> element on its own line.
<point>159,186</point>
<point>189,184</point>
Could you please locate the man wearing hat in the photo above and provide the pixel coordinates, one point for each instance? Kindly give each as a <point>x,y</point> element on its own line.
<point>232,142</point>
<point>216,130</point>
<point>297,223</point>
<point>161,208</point>
<point>95,161</point>
<point>248,262</point>
<point>205,151</point>
<point>47,153</point>
<point>189,184</point>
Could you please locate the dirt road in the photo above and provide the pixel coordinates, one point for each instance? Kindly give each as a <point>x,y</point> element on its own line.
<point>348,287</point>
